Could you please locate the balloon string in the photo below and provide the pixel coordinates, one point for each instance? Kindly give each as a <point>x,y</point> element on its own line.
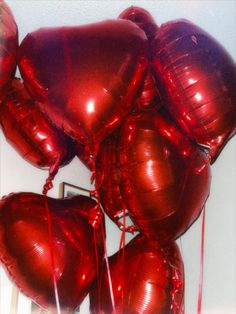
<point>121,254</point>
<point>96,194</point>
<point>122,249</point>
<point>122,238</point>
<point>52,173</point>
<point>108,273</point>
<point>52,259</point>
<point>182,310</point>
<point>200,280</point>
<point>97,269</point>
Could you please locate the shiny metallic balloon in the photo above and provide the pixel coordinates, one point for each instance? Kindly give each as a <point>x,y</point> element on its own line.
<point>198,78</point>
<point>164,178</point>
<point>145,280</point>
<point>31,255</point>
<point>85,77</point>
<point>8,46</point>
<point>30,133</point>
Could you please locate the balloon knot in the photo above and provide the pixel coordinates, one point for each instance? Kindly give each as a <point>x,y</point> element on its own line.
<point>47,186</point>
<point>96,217</point>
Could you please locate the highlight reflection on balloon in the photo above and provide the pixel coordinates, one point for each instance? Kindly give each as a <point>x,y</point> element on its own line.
<point>30,133</point>
<point>198,77</point>
<point>85,77</point>
<point>25,247</point>
<point>145,280</point>
<point>8,46</point>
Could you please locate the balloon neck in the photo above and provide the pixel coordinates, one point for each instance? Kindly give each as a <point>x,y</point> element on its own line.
<point>53,170</point>
<point>96,217</point>
<point>92,150</point>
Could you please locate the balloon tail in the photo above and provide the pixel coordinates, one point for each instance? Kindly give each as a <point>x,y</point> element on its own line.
<point>52,259</point>
<point>200,280</point>
<point>92,151</point>
<point>53,170</point>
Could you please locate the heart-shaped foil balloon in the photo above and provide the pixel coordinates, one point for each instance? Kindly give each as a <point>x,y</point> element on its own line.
<point>85,77</point>
<point>8,46</point>
<point>145,280</point>
<point>54,252</point>
<point>198,78</point>
<point>164,178</point>
<point>30,133</point>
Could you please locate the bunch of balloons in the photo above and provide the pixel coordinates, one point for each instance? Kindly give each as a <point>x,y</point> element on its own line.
<point>148,109</point>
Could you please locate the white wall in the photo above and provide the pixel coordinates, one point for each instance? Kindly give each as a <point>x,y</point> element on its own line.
<point>218,18</point>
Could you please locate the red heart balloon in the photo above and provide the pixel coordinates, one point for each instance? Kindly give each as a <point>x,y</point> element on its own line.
<point>8,46</point>
<point>85,77</point>
<point>199,78</point>
<point>145,280</point>
<point>26,247</point>
<point>30,133</point>
<point>162,178</point>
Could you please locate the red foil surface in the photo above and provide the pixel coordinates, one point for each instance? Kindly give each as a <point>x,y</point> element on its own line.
<point>26,249</point>
<point>198,78</point>
<point>8,47</point>
<point>30,133</point>
<point>145,280</point>
<point>85,77</point>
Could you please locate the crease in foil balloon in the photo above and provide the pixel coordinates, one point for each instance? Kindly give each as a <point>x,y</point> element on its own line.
<point>197,77</point>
